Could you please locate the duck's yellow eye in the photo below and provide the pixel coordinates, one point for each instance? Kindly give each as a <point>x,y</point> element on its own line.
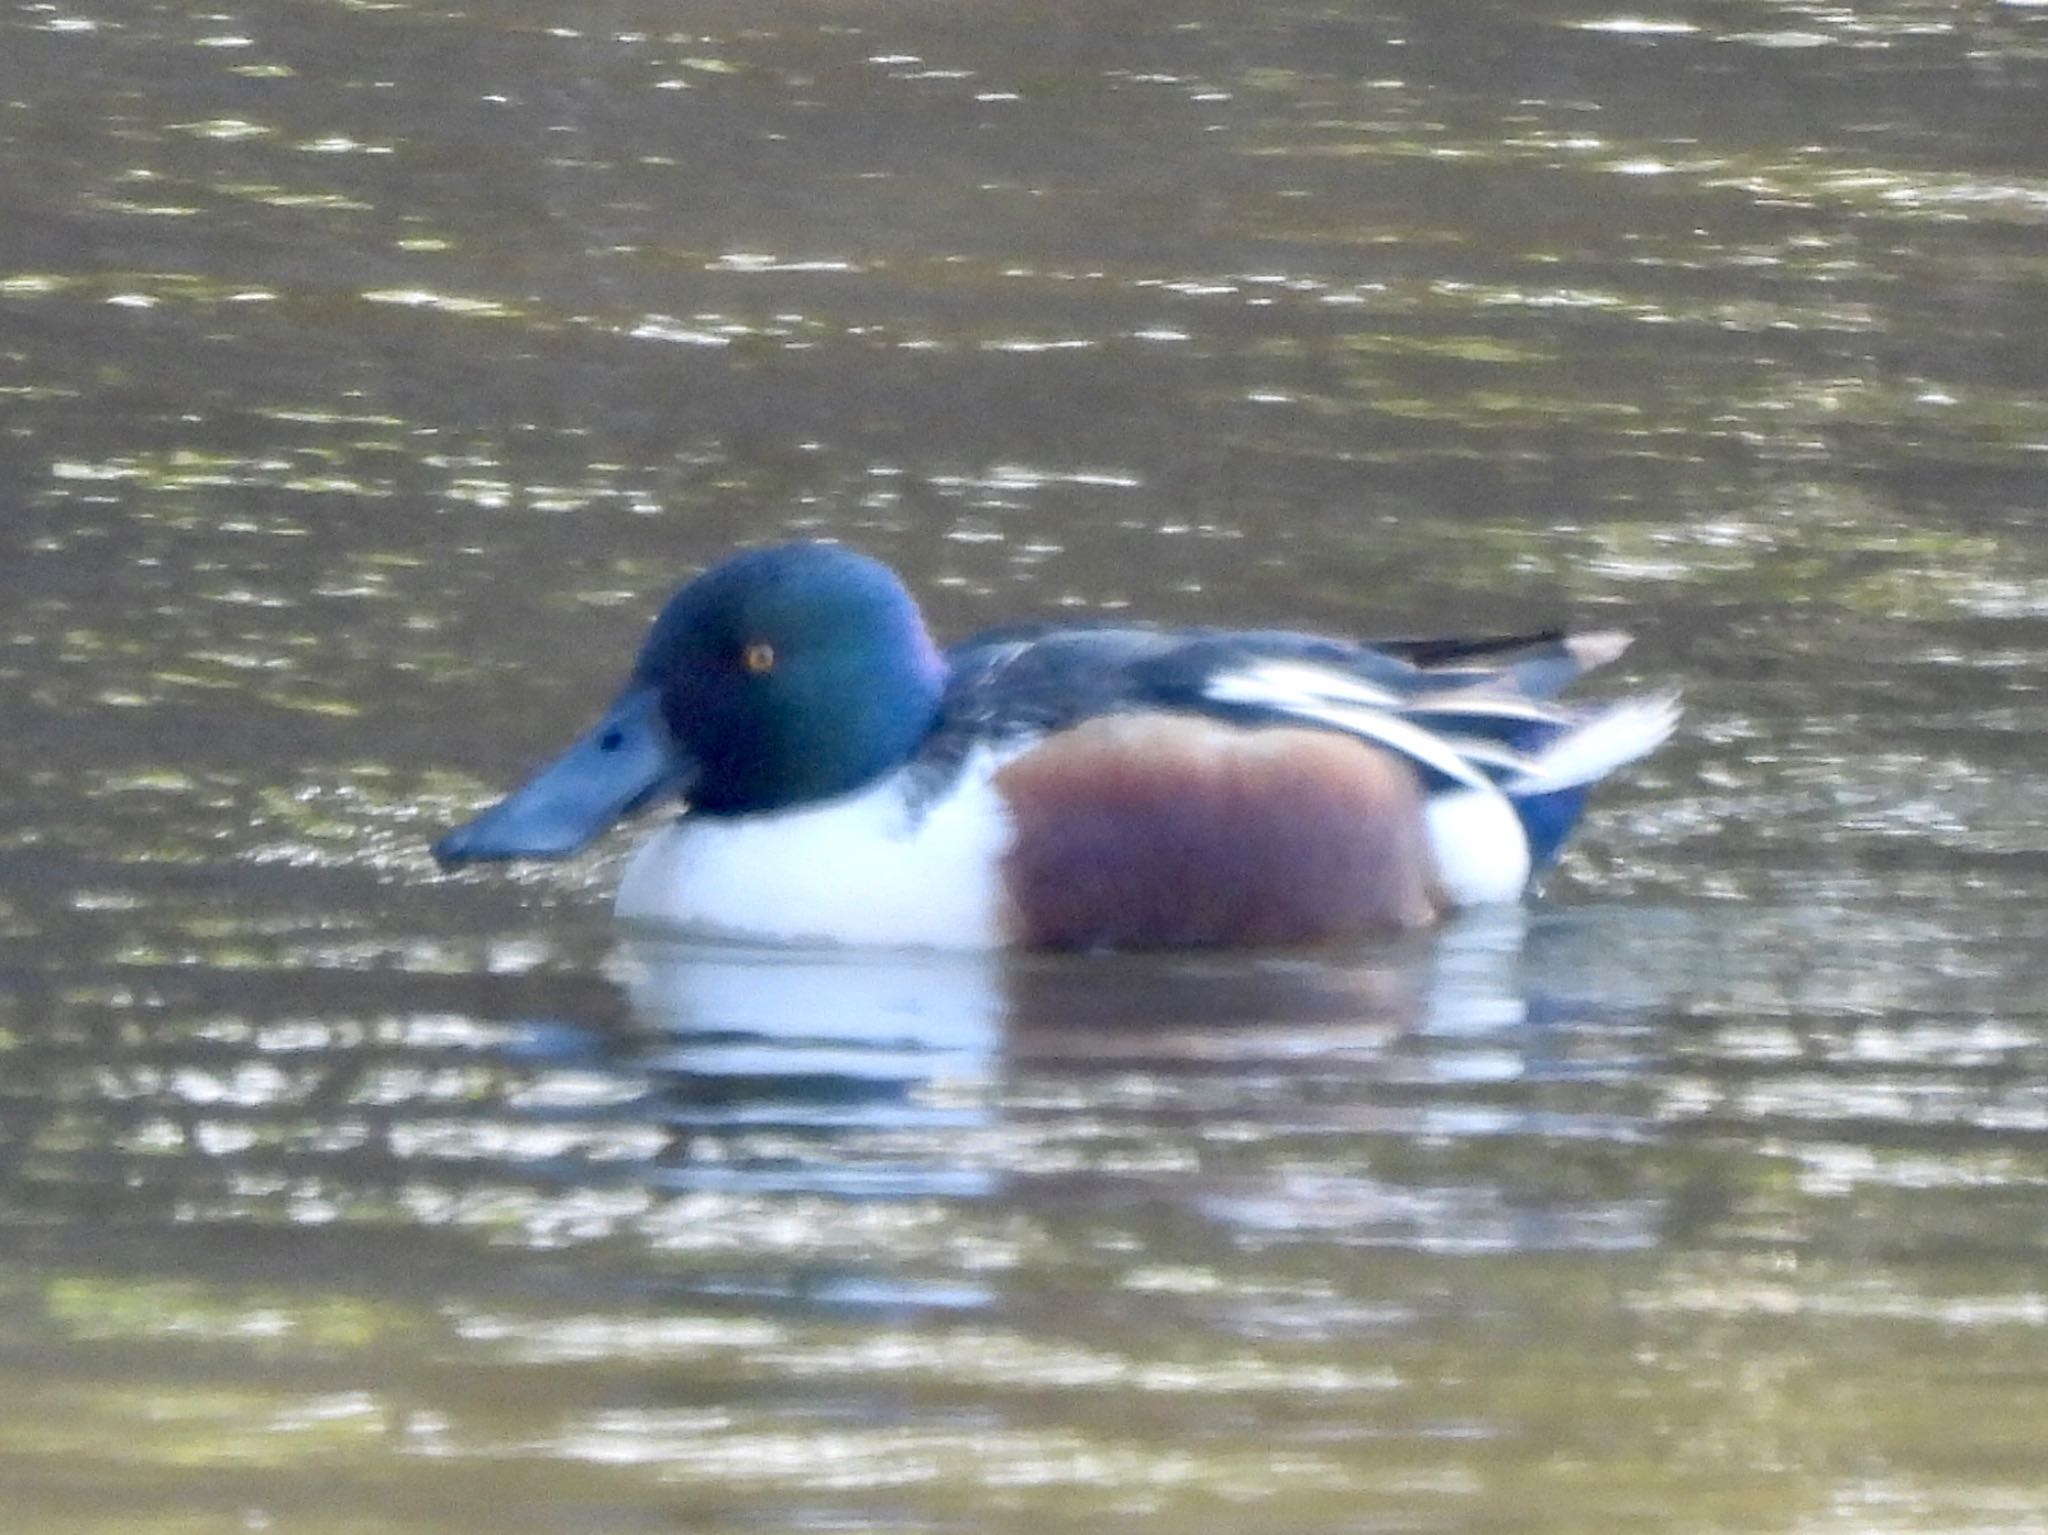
<point>759,657</point>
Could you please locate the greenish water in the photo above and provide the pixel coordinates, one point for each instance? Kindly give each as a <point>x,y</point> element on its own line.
<point>368,372</point>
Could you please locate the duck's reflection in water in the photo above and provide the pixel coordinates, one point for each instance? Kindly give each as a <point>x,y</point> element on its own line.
<point>880,1022</point>
<point>830,1070</point>
<point>874,1023</point>
<point>906,1074</point>
<point>1463,978</point>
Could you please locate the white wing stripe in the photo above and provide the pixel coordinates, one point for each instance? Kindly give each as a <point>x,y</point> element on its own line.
<point>1580,754</point>
<point>1301,691</point>
<point>1484,707</point>
<point>1276,682</point>
<point>1633,728</point>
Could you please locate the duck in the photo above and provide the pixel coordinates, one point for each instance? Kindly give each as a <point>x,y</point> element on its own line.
<point>834,777</point>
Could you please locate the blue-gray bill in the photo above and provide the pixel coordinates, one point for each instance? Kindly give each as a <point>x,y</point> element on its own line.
<point>622,763</point>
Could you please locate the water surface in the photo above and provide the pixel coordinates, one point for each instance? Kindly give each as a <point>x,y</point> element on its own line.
<point>367,373</point>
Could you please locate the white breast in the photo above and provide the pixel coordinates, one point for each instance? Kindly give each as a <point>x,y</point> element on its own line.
<point>861,869</point>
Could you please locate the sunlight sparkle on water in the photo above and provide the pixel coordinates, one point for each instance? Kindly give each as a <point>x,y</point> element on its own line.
<point>1637,26</point>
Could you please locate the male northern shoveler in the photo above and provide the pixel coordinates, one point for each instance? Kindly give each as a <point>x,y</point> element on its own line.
<point>1063,785</point>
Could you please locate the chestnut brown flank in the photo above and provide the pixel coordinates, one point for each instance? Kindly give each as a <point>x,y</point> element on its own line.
<point>1148,830</point>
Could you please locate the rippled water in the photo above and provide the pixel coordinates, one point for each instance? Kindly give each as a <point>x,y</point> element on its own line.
<point>368,371</point>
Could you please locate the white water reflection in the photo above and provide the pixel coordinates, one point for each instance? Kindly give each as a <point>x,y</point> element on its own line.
<point>907,1018</point>
<point>915,1075</point>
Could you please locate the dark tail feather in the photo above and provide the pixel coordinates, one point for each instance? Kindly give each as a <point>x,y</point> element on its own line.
<point>1540,665</point>
<point>1548,819</point>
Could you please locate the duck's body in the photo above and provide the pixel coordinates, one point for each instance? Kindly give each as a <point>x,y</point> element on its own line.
<point>1043,786</point>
